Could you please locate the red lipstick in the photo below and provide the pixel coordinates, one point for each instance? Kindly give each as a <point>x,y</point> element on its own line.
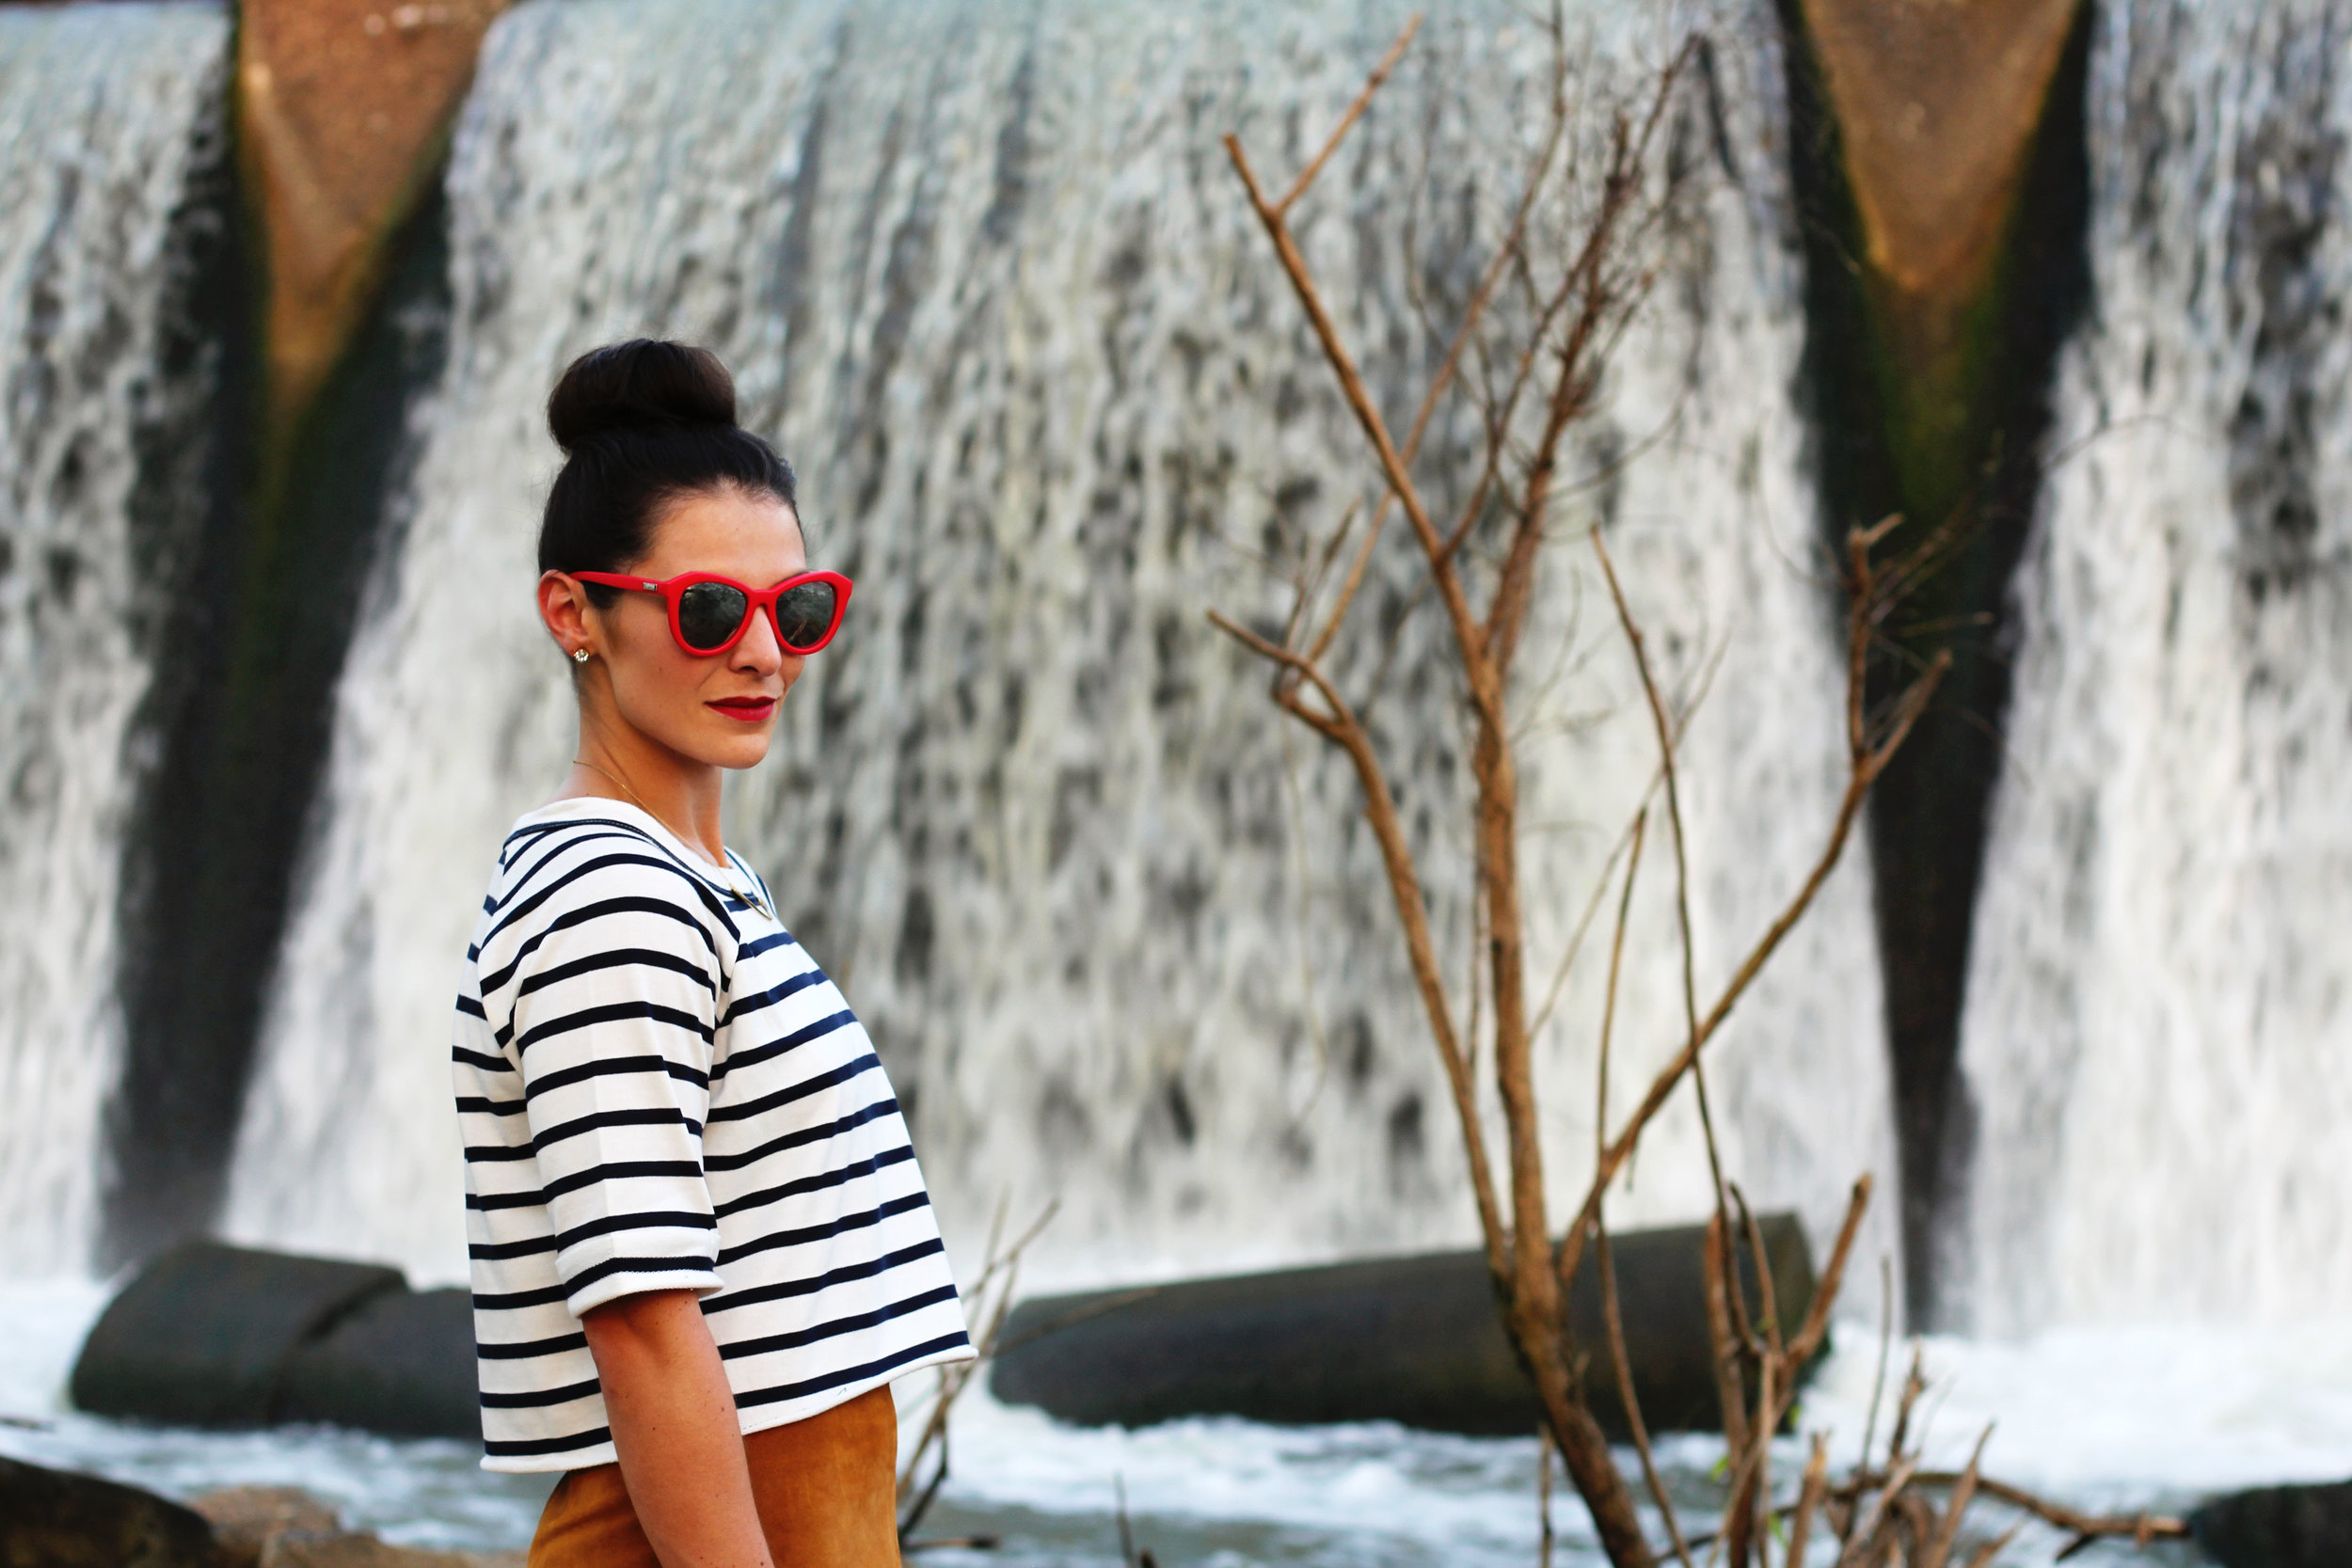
<point>752,710</point>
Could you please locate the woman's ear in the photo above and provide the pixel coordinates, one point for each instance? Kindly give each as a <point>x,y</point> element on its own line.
<point>563,606</point>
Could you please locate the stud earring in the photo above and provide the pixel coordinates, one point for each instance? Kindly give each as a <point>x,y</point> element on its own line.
<point>580,656</point>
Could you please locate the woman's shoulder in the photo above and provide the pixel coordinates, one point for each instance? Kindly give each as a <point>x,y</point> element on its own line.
<point>580,854</point>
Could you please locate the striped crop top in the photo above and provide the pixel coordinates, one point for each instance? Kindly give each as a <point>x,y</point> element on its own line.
<point>658,1090</point>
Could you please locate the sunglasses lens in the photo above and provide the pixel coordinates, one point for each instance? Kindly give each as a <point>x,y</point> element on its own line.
<point>804,615</point>
<point>708,614</point>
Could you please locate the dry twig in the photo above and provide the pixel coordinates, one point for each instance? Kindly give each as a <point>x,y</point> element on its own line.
<point>990,1301</point>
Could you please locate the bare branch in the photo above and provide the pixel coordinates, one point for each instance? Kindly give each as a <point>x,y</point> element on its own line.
<point>2140,1529</point>
<point>1809,1500</point>
<point>1631,1403</point>
<point>1682,860</point>
<point>1816,1322</point>
<point>1939,1550</point>
<point>1609,1004</point>
<point>1485,692</point>
<point>1513,240</point>
<point>1355,112</point>
<point>1342,727</point>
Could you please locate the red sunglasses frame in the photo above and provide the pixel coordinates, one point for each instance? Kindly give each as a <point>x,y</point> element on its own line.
<point>673,589</point>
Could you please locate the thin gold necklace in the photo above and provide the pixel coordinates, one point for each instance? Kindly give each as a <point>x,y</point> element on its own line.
<point>750,898</point>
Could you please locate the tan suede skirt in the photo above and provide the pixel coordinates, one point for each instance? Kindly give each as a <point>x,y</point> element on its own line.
<point>826,1489</point>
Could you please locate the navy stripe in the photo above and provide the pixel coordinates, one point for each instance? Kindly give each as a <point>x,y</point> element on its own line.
<point>642,1220</point>
<point>639,833</point>
<point>474,1104</point>
<point>745,1006</point>
<point>565,1395</point>
<point>639,1265</point>
<point>841,1226</point>
<point>475,1058</point>
<point>519,883</point>
<point>849,1123</point>
<point>546,1296</point>
<point>512,912</point>
<point>837,1327</point>
<point>621,1170</point>
<point>611,1012</point>
<point>648,957</point>
<point>793,1041</point>
<point>602,1068</point>
<point>853,1374</point>
<point>786,1290</point>
<point>773,940</point>
<point>531,1350</point>
<point>472,1005</point>
<point>597,910</point>
<point>660,1115</point>
<point>591,830</point>
<point>801,1090</point>
<point>482,1203</point>
<point>526,1449</point>
<point>494,1251</point>
<point>817,1182</point>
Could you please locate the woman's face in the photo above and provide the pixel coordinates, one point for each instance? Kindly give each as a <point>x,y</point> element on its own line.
<point>719,710</point>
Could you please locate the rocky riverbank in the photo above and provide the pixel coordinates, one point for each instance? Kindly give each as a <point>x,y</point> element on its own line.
<point>62,1519</point>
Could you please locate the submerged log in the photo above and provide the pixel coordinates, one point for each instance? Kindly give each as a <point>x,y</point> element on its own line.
<point>201,1336</point>
<point>402,1364</point>
<point>1409,1340</point>
<point>2278,1527</point>
<point>218,1336</point>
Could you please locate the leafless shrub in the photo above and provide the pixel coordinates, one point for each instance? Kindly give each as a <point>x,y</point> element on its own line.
<point>1528,357</point>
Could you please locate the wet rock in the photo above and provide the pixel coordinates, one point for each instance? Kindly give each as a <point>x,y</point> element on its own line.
<point>57,1519</point>
<point>2278,1527</point>
<point>356,1550</point>
<point>246,1520</point>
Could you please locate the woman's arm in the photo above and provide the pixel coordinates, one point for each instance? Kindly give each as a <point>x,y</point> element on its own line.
<point>673,1423</point>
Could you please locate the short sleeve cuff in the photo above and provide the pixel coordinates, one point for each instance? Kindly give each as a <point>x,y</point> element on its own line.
<point>632,1277</point>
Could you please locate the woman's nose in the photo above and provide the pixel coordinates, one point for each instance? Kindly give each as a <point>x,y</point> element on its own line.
<point>760,652</point>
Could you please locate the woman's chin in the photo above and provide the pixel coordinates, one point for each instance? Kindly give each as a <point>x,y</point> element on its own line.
<point>746,747</point>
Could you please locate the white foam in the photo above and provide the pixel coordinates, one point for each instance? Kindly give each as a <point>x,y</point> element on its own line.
<point>2115,1419</point>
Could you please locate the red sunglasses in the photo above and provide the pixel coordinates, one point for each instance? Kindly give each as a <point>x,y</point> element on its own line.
<point>709,613</point>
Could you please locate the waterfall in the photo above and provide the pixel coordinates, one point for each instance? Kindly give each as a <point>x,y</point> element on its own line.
<point>986,274</point>
<point>2158,1016</point>
<point>109,118</point>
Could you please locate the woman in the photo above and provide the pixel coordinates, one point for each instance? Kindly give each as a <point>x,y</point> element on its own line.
<point>701,1245</point>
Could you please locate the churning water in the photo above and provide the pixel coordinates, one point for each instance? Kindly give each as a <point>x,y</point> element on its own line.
<point>2161,1000</point>
<point>106,116</point>
<point>2108,1421</point>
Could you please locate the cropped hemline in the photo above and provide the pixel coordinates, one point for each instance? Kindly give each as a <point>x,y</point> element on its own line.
<point>757,1417</point>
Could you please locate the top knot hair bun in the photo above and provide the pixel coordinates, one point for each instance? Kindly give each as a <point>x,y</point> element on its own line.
<point>641,424</point>
<point>644,383</point>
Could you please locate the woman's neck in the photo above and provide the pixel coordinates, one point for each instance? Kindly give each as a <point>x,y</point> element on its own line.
<point>682,796</point>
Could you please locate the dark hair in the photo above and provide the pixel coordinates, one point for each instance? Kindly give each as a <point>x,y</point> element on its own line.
<point>642,424</point>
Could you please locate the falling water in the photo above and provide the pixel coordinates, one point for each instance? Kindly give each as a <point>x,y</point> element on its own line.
<point>108,117</point>
<point>2159,1009</point>
<point>986,272</point>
